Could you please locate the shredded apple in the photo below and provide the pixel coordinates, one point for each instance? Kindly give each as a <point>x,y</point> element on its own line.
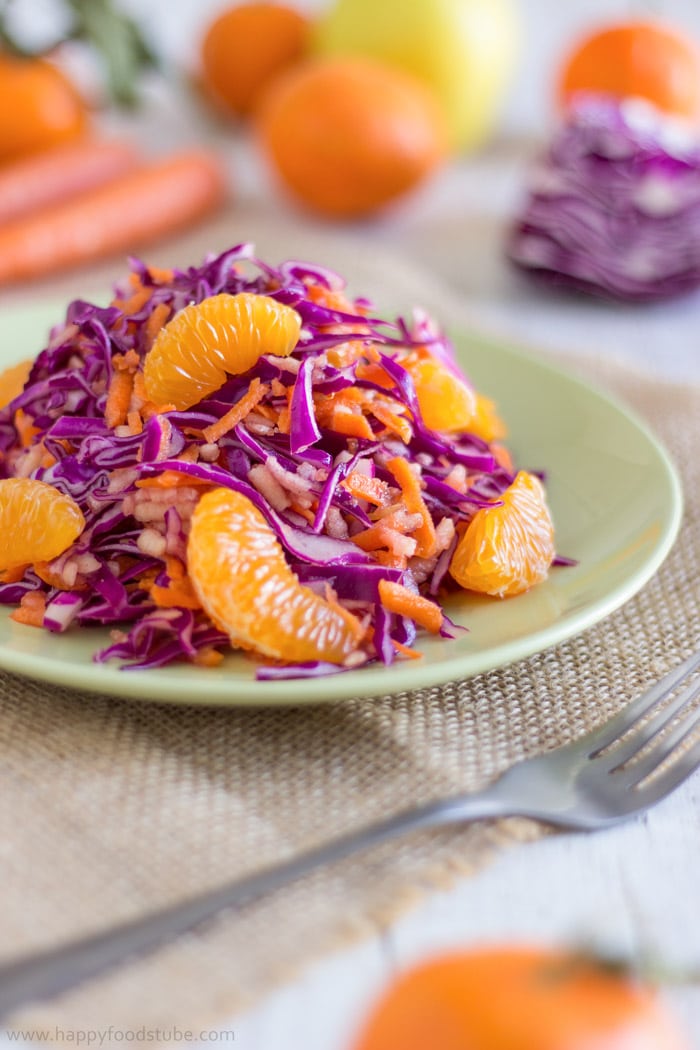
<point>243,456</point>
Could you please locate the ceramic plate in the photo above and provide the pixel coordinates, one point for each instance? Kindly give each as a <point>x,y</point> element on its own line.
<point>616,502</point>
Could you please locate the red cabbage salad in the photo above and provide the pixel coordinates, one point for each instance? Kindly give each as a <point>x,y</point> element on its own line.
<point>368,475</point>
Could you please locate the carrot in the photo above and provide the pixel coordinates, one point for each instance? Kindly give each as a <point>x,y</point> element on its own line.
<point>119,393</point>
<point>31,609</point>
<point>178,594</point>
<point>57,174</point>
<point>373,490</point>
<point>255,393</point>
<point>25,427</point>
<point>415,504</point>
<point>405,650</point>
<point>398,599</point>
<point>156,319</point>
<point>136,208</point>
<point>169,479</point>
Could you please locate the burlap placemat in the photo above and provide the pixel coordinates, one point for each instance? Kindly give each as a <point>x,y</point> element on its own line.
<point>110,808</point>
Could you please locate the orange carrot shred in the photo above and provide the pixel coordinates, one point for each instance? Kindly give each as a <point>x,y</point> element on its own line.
<point>255,393</point>
<point>405,650</point>
<point>157,318</point>
<point>208,657</point>
<point>398,599</point>
<point>119,393</point>
<point>169,479</point>
<point>25,427</point>
<point>178,594</point>
<point>415,504</point>
<point>134,421</point>
<point>31,609</point>
<point>372,490</point>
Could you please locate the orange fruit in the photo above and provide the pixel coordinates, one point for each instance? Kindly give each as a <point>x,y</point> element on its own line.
<point>509,547</point>
<point>641,58</point>
<point>12,381</point>
<point>446,402</point>
<point>246,47</point>
<point>349,135</point>
<point>37,522</point>
<point>41,107</point>
<point>241,577</point>
<point>518,998</point>
<point>487,424</point>
<point>194,351</point>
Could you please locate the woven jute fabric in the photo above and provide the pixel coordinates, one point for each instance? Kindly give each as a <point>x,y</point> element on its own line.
<point>109,808</point>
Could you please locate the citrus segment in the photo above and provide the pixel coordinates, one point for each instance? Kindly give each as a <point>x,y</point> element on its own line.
<point>507,548</point>
<point>12,381</point>
<point>194,351</point>
<point>446,402</point>
<point>37,522</point>
<point>240,574</point>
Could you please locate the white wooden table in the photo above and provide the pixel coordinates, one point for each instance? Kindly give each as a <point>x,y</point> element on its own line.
<point>630,889</point>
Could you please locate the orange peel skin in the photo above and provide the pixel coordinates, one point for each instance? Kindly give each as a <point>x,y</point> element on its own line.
<point>240,575</point>
<point>204,342</point>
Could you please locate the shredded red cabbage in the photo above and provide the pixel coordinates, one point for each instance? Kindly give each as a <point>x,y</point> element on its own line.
<point>295,477</point>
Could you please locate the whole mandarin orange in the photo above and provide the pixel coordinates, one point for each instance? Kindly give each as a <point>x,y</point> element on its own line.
<point>245,47</point>
<point>39,107</point>
<point>349,135</point>
<point>519,998</point>
<point>643,59</point>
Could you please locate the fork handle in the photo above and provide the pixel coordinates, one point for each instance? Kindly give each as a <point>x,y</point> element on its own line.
<point>46,974</point>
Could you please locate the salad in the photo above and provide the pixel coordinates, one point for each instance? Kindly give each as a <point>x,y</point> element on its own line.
<point>240,455</point>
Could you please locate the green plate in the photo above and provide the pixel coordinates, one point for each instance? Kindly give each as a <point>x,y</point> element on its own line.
<point>616,502</point>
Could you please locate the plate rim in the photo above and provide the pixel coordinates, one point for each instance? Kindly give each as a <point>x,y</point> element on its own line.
<point>375,680</point>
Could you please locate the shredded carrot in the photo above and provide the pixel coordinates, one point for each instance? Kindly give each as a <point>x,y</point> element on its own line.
<point>415,504</point>
<point>374,373</point>
<point>134,421</point>
<point>405,650</point>
<point>345,354</point>
<point>159,275</point>
<point>304,512</point>
<point>284,421</point>
<point>48,460</point>
<point>255,393</point>
<point>372,490</point>
<point>169,479</point>
<point>351,424</point>
<point>178,593</point>
<point>135,302</point>
<point>278,388</point>
<point>119,393</point>
<point>156,319</point>
<point>392,421</point>
<point>175,569</point>
<point>31,609</point>
<point>208,657</point>
<point>127,362</point>
<point>25,427</point>
<point>398,599</point>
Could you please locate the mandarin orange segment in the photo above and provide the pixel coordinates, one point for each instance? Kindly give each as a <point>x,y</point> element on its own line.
<point>446,402</point>
<point>37,522</point>
<point>487,424</point>
<point>509,547</point>
<point>240,574</point>
<point>12,381</point>
<point>224,334</point>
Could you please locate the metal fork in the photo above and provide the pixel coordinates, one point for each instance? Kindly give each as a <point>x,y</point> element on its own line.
<point>596,781</point>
